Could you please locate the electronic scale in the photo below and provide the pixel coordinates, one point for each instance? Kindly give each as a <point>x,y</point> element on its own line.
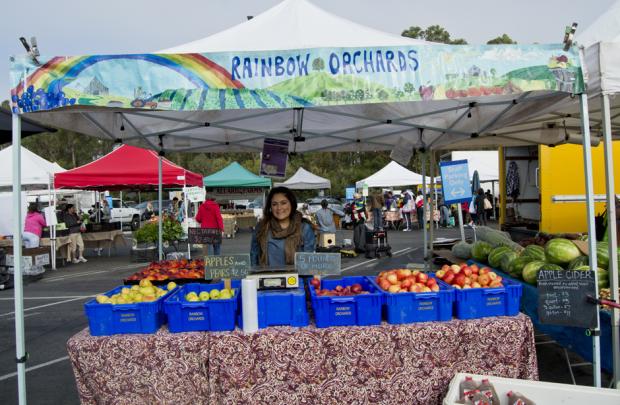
<point>276,279</point>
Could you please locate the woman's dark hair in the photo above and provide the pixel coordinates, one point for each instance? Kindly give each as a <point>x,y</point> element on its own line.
<point>33,207</point>
<point>324,204</point>
<point>480,191</point>
<point>289,196</point>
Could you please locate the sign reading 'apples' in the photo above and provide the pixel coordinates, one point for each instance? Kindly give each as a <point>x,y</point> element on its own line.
<point>229,266</point>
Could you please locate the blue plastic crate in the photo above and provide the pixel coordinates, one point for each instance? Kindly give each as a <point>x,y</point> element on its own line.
<point>281,308</point>
<point>418,307</point>
<point>361,309</point>
<point>108,319</point>
<point>474,303</point>
<point>212,315</point>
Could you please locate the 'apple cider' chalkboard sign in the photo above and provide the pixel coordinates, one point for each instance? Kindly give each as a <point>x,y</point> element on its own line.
<point>562,298</point>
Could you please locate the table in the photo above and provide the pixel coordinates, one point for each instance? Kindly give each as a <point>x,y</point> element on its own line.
<point>411,363</point>
<point>96,240</point>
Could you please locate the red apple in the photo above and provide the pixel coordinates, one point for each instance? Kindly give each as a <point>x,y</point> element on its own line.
<point>475,284</point>
<point>394,288</point>
<point>484,280</point>
<point>434,288</point>
<point>431,282</point>
<point>384,284</point>
<point>484,270</point>
<point>315,282</point>
<point>492,275</point>
<point>392,278</point>
<point>356,288</point>
<point>460,279</point>
<point>455,268</point>
<point>495,284</point>
<point>449,278</point>
<point>406,283</point>
<point>422,278</point>
<point>467,271</point>
<point>445,268</point>
<point>426,289</point>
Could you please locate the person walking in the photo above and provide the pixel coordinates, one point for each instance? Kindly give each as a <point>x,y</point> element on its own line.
<point>481,214</point>
<point>488,205</point>
<point>419,207</point>
<point>210,217</point>
<point>76,243</point>
<point>325,218</point>
<point>358,210</point>
<point>33,226</point>
<point>376,207</point>
<point>408,206</point>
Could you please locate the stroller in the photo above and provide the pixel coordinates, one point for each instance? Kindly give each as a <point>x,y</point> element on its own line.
<point>372,242</point>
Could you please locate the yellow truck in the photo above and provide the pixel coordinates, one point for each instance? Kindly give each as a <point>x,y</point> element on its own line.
<point>551,178</point>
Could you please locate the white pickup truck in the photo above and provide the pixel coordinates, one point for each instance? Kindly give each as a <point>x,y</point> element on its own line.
<point>122,213</point>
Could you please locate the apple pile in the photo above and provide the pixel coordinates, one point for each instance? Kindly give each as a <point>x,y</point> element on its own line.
<point>171,270</point>
<point>143,292</point>
<point>405,280</point>
<point>463,276</point>
<point>339,291</point>
<point>214,294</point>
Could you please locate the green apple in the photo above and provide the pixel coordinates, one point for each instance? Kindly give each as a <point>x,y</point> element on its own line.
<point>204,296</point>
<point>225,294</point>
<point>192,296</point>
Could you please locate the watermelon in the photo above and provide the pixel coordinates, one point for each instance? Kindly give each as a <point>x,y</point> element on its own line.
<point>530,271</point>
<point>561,251</point>
<point>517,265</point>
<point>496,254</point>
<point>480,251</point>
<point>603,276</point>
<point>551,266</point>
<point>534,251</point>
<point>602,255</point>
<point>580,261</point>
<point>507,259</point>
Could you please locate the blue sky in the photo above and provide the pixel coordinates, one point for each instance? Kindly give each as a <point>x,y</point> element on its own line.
<point>79,27</point>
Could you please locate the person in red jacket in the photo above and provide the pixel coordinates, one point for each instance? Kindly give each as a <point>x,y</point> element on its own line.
<point>210,217</point>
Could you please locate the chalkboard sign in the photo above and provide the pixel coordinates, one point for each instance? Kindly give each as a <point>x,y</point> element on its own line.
<point>310,264</point>
<point>562,298</point>
<point>204,236</point>
<point>229,266</point>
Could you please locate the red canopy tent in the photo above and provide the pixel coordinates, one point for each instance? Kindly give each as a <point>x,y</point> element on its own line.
<point>126,167</point>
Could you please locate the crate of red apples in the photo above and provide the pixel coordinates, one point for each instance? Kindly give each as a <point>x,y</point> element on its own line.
<point>414,296</point>
<point>346,301</point>
<point>480,292</point>
<point>181,271</point>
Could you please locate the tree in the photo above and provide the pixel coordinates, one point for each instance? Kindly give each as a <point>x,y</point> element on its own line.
<point>503,39</point>
<point>433,33</point>
<point>318,64</point>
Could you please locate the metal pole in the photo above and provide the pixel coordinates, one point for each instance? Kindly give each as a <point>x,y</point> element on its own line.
<point>432,208</point>
<point>587,162</point>
<point>186,219</point>
<point>50,204</point>
<point>424,210</point>
<point>612,236</point>
<point>20,341</point>
<point>493,198</point>
<point>461,227</point>
<point>160,249</point>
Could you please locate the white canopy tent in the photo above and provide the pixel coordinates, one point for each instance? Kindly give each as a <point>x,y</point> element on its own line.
<point>391,175</point>
<point>36,172</point>
<point>432,117</point>
<point>304,180</point>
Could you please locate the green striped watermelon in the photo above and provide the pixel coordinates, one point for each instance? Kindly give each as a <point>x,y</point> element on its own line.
<point>480,251</point>
<point>507,259</point>
<point>579,261</point>
<point>603,276</point>
<point>535,251</point>
<point>530,271</point>
<point>517,265</point>
<point>496,254</point>
<point>561,251</point>
<point>602,255</point>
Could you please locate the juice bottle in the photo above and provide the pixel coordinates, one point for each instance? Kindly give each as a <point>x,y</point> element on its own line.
<point>488,390</point>
<point>467,388</point>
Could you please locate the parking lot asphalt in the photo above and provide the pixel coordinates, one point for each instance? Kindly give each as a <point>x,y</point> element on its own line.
<point>54,312</point>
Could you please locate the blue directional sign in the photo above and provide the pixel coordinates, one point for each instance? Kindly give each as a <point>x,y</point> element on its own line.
<point>455,182</point>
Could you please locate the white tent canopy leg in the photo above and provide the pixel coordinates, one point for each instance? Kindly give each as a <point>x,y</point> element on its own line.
<point>587,161</point>
<point>20,341</point>
<point>160,251</point>
<point>612,236</point>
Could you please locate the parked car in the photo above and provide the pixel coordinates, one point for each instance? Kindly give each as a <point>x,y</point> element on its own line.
<point>167,204</point>
<point>314,204</point>
<point>120,212</point>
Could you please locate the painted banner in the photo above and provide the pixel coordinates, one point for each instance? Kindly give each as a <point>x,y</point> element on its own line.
<point>291,78</point>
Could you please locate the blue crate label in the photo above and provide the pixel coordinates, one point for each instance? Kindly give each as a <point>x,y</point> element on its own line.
<point>128,317</point>
<point>344,310</point>
<point>426,306</point>
<point>195,316</point>
<point>494,300</point>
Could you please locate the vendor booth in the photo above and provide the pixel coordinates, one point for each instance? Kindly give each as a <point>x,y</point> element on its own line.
<point>392,175</point>
<point>249,83</point>
<point>235,182</point>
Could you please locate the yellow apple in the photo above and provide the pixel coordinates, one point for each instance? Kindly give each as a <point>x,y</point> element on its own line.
<point>224,294</point>
<point>103,299</point>
<point>145,283</point>
<point>214,293</point>
<point>171,285</point>
<point>204,296</point>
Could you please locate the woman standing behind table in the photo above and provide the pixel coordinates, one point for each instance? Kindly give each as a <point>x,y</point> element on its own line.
<point>33,227</point>
<point>282,232</point>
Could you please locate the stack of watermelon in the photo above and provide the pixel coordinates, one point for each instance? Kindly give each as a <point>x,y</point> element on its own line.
<point>558,254</point>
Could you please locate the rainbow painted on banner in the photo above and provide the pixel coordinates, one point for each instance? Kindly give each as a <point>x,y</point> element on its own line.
<point>199,70</point>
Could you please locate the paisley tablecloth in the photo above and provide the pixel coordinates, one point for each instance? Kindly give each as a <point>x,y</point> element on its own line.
<point>387,364</point>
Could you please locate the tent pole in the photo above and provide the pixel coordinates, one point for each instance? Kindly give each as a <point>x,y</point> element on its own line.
<point>587,161</point>
<point>50,181</point>
<point>186,219</point>
<point>424,208</point>
<point>493,198</point>
<point>20,341</point>
<point>432,209</point>
<point>161,211</point>
<point>612,236</point>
